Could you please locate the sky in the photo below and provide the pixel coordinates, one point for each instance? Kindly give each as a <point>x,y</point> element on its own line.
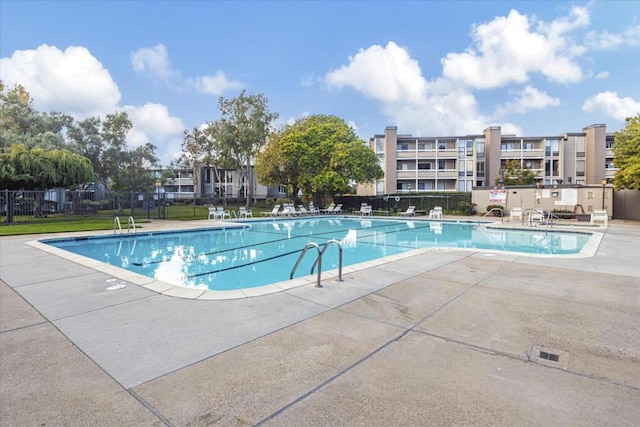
<point>431,68</point>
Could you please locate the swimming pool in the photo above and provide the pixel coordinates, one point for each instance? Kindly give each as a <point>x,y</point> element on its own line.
<point>264,252</point>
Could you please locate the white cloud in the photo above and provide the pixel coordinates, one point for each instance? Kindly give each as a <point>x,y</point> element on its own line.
<point>612,105</point>
<point>155,120</point>
<point>153,60</point>
<point>72,81</point>
<point>390,76</point>
<point>387,74</point>
<point>607,40</point>
<point>507,50</point>
<point>602,75</point>
<point>214,85</point>
<point>153,123</point>
<point>527,99</point>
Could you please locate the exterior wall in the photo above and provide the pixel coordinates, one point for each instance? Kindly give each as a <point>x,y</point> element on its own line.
<point>492,140</point>
<point>390,156</point>
<point>595,153</point>
<point>555,159</point>
<point>589,197</point>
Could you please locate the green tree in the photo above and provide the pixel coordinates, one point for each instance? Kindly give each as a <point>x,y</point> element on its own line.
<point>241,133</point>
<point>21,123</point>
<point>22,168</point>
<point>117,166</point>
<point>626,149</point>
<point>515,174</point>
<point>318,154</point>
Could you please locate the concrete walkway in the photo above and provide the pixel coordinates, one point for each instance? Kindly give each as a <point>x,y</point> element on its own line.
<point>450,337</point>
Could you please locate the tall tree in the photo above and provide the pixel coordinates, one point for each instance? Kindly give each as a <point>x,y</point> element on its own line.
<point>318,154</point>
<point>117,166</point>
<point>21,123</point>
<point>626,149</point>
<point>241,132</point>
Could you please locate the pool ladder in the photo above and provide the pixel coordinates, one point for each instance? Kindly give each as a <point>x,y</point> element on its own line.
<point>318,260</point>
<point>130,224</point>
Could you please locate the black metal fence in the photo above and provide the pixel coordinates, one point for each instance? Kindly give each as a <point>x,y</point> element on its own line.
<point>28,206</point>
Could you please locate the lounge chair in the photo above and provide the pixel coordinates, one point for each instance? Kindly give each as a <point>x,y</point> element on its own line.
<point>411,211</point>
<point>599,215</point>
<point>274,211</point>
<point>436,212</point>
<point>288,210</point>
<point>329,209</point>
<point>244,212</point>
<point>337,209</point>
<point>313,210</point>
<point>516,213</point>
<point>303,211</point>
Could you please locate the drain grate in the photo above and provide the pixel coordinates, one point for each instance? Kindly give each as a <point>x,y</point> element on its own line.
<point>549,356</point>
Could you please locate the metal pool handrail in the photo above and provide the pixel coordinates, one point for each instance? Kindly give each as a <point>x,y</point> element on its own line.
<point>324,248</point>
<point>319,260</point>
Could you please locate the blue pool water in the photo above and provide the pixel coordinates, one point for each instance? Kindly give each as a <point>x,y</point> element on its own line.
<point>264,252</point>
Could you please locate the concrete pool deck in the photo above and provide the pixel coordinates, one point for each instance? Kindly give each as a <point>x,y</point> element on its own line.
<point>449,337</point>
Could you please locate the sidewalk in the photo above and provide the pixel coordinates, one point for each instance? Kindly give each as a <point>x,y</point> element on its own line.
<point>451,337</point>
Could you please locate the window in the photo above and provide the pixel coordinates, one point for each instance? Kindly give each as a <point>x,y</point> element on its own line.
<point>580,167</point>
<point>580,146</point>
<point>609,144</point>
<point>379,145</point>
<point>424,165</point>
<point>480,148</point>
<point>442,164</point>
<point>551,147</point>
<point>403,147</point>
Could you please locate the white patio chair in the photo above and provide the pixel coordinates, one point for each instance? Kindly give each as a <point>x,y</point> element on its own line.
<point>535,216</point>
<point>435,213</point>
<point>516,213</point>
<point>244,212</point>
<point>212,212</point>
<point>223,213</point>
<point>599,215</point>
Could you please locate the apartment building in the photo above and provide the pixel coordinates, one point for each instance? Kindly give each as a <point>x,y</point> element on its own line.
<point>459,163</point>
<point>207,182</point>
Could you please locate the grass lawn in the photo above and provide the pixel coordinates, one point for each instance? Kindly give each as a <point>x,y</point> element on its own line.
<point>173,212</point>
<point>57,227</point>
